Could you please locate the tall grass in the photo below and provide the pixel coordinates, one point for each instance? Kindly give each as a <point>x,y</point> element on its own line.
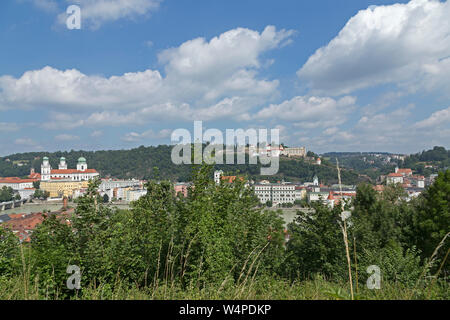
<point>259,289</point>
<point>249,286</point>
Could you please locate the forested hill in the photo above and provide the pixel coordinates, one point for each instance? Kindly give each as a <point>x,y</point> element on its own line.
<point>372,165</point>
<point>155,163</point>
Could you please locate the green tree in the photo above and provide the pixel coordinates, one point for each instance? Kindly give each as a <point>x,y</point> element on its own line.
<point>9,252</point>
<point>6,194</point>
<point>432,219</point>
<point>316,245</point>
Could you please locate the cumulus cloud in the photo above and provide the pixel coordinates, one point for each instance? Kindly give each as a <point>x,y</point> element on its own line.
<point>94,13</point>
<point>404,44</point>
<point>149,134</point>
<point>393,131</point>
<point>24,141</point>
<point>203,79</point>
<point>223,55</point>
<point>73,89</point>
<point>310,112</point>
<point>437,119</point>
<point>66,137</point>
<point>47,5</point>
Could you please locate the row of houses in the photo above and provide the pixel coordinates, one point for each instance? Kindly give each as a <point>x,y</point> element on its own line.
<point>23,187</point>
<point>289,193</point>
<point>407,179</point>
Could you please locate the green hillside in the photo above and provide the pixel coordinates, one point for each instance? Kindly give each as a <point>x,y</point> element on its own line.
<point>155,163</point>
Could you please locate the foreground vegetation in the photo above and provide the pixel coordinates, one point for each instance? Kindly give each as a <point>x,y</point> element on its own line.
<point>259,289</point>
<point>218,243</point>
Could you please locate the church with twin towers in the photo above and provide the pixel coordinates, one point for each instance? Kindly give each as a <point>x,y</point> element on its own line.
<point>81,173</point>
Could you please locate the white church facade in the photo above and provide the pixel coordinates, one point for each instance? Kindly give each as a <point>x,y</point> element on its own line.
<point>81,173</point>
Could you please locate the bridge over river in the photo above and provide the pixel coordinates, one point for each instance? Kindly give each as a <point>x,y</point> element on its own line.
<point>12,204</point>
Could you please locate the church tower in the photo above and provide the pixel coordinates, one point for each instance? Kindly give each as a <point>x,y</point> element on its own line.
<point>62,164</point>
<point>82,164</point>
<point>316,181</point>
<point>46,169</point>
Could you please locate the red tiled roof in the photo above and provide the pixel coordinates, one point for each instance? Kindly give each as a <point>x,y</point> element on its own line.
<point>16,180</point>
<point>16,215</point>
<point>27,222</point>
<point>231,179</point>
<point>72,171</point>
<point>395,175</point>
<point>35,176</point>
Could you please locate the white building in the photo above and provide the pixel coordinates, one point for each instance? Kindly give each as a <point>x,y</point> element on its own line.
<point>16,183</point>
<point>278,193</point>
<point>81,173</point>
<point>283,193</point>
<point>394,178</point>
<point>294,152</point>
<point>318,196</point>
<point>134,195</point>
<point>110,184</point>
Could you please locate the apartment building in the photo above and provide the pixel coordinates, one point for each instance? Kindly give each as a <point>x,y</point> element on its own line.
<point>278,193</point>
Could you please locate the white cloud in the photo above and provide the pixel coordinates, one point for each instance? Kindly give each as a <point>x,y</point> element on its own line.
<point>204,80</point>
<point>97,134</point>
<point>437,119</point>
<point>393,131</point>
<point>73,89</point>
<point>8,126</point>
<point>404,44</point>
<point>66,137</point>
<point>95,13</point>
<point>331,131</point>
<point>24,141</point>
<point>47,5</point>
<point>149,134</point>
<point>222,56</point>
<point>310,112</point>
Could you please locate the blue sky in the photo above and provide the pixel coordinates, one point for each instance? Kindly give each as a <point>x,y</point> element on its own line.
<point>331,75</point>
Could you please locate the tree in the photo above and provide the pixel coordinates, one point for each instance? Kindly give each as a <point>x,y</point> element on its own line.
<point>6,194</point>
<point>9,252</point>
<point>432,219</point>
<point>315,245</point>
<point>214,234</point>
<point>41,194</point>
